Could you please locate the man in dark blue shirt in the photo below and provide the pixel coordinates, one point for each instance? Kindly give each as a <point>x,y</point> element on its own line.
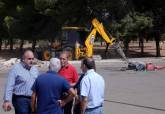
<point>48,89</point>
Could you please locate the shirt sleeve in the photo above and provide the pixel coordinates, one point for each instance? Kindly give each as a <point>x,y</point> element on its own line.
<point>10,85</point>
<point>84,87</point>
<point>66,86</point>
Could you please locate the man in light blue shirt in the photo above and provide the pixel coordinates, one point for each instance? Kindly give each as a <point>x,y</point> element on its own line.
<point>18,87</point>
<point>91,89</point>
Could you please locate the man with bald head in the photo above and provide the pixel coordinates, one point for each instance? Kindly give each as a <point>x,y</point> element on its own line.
<point>18,87</point>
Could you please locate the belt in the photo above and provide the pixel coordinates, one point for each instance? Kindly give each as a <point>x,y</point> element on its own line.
<point>21,96</point>
<point>94,107</point>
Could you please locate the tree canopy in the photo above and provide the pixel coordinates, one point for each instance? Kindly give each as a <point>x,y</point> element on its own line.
<point>43,19</point>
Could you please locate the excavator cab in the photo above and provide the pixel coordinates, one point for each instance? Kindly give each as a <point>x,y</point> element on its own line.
<point>73,37</point>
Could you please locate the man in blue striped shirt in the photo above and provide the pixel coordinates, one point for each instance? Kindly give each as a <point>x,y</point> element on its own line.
<point>18,87</point>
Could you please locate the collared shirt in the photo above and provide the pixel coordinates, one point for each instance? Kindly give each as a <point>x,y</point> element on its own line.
<point>20,81</point>
<point>49,88</point>
<point>92,86</point>
<point>69,73</point>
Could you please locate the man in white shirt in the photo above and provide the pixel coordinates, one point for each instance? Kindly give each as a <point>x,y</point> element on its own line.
<point>91,89</point>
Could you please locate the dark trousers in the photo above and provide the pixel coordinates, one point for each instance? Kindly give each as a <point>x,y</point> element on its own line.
<point>68,108</point>
<point>22,105</point>
<point>77,108</point>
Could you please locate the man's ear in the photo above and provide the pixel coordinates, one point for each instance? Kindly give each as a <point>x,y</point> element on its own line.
<point>22,59</point>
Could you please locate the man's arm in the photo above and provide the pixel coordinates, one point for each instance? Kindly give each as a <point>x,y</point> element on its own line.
<point>72,84</point>
<point>7,105</point>
<point>84,92</point>
<point>33,102</point>
<point>71,93</point>
<point>83,104</point>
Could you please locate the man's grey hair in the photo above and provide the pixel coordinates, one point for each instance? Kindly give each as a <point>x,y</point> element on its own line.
<point>55,64</point>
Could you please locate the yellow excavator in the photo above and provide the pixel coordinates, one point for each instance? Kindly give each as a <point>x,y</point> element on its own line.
<point>79,41</point>
<point>89,42</point>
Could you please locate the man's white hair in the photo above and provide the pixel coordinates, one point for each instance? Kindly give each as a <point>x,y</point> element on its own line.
<point>55,64</point>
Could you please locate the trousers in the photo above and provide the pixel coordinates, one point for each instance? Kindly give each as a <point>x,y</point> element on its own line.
<point>22,105</point>
<point>98,110</point>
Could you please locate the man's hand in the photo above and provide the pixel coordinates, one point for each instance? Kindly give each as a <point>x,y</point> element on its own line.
<point>33,102</point>
<point>62,103</point>
<point>7,106</point>
<point>83,104</point>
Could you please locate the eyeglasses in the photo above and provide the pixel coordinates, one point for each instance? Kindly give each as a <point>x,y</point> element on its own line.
<point>30,58</point>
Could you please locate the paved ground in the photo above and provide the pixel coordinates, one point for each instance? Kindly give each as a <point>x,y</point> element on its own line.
<point>127,92</point>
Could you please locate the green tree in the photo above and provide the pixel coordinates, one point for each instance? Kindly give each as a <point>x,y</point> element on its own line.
<point>156,9</point>
<point>133,25</point>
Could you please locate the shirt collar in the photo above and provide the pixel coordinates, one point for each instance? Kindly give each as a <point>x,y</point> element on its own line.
<point>89,71</point>
<point>65,67</point>
<point>25,66</point>
<point>51,72</point>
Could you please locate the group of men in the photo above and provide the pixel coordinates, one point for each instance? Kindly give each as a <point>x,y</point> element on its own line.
<point>53,92</point>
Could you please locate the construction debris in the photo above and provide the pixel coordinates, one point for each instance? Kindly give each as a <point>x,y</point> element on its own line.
<point>10,62</point>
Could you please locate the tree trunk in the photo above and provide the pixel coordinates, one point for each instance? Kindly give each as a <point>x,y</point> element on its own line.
<point>157,39</point>
<point>157,49</point>
<point>21,46</point>
<point>126,45</point>
<point>11,44</point>
<point>141,42</point>
<point>34,45</point>
<point>106,49</point>
<point>101,43</point>
<point>0,44</point>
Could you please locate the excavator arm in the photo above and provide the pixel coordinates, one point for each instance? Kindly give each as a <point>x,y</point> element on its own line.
<point>100,29</point>
<point>97,27</point>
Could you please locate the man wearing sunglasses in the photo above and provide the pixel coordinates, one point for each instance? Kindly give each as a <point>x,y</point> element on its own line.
<point>18,87</point>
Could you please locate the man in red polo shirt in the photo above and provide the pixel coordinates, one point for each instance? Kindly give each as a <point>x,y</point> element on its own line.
<point>70,74</point>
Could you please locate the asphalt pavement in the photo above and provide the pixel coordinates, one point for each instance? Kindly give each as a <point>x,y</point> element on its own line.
<point>126,92</point>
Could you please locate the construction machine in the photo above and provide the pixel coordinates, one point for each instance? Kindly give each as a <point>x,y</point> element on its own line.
<point>89,42</point>
<point>79,41</point>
